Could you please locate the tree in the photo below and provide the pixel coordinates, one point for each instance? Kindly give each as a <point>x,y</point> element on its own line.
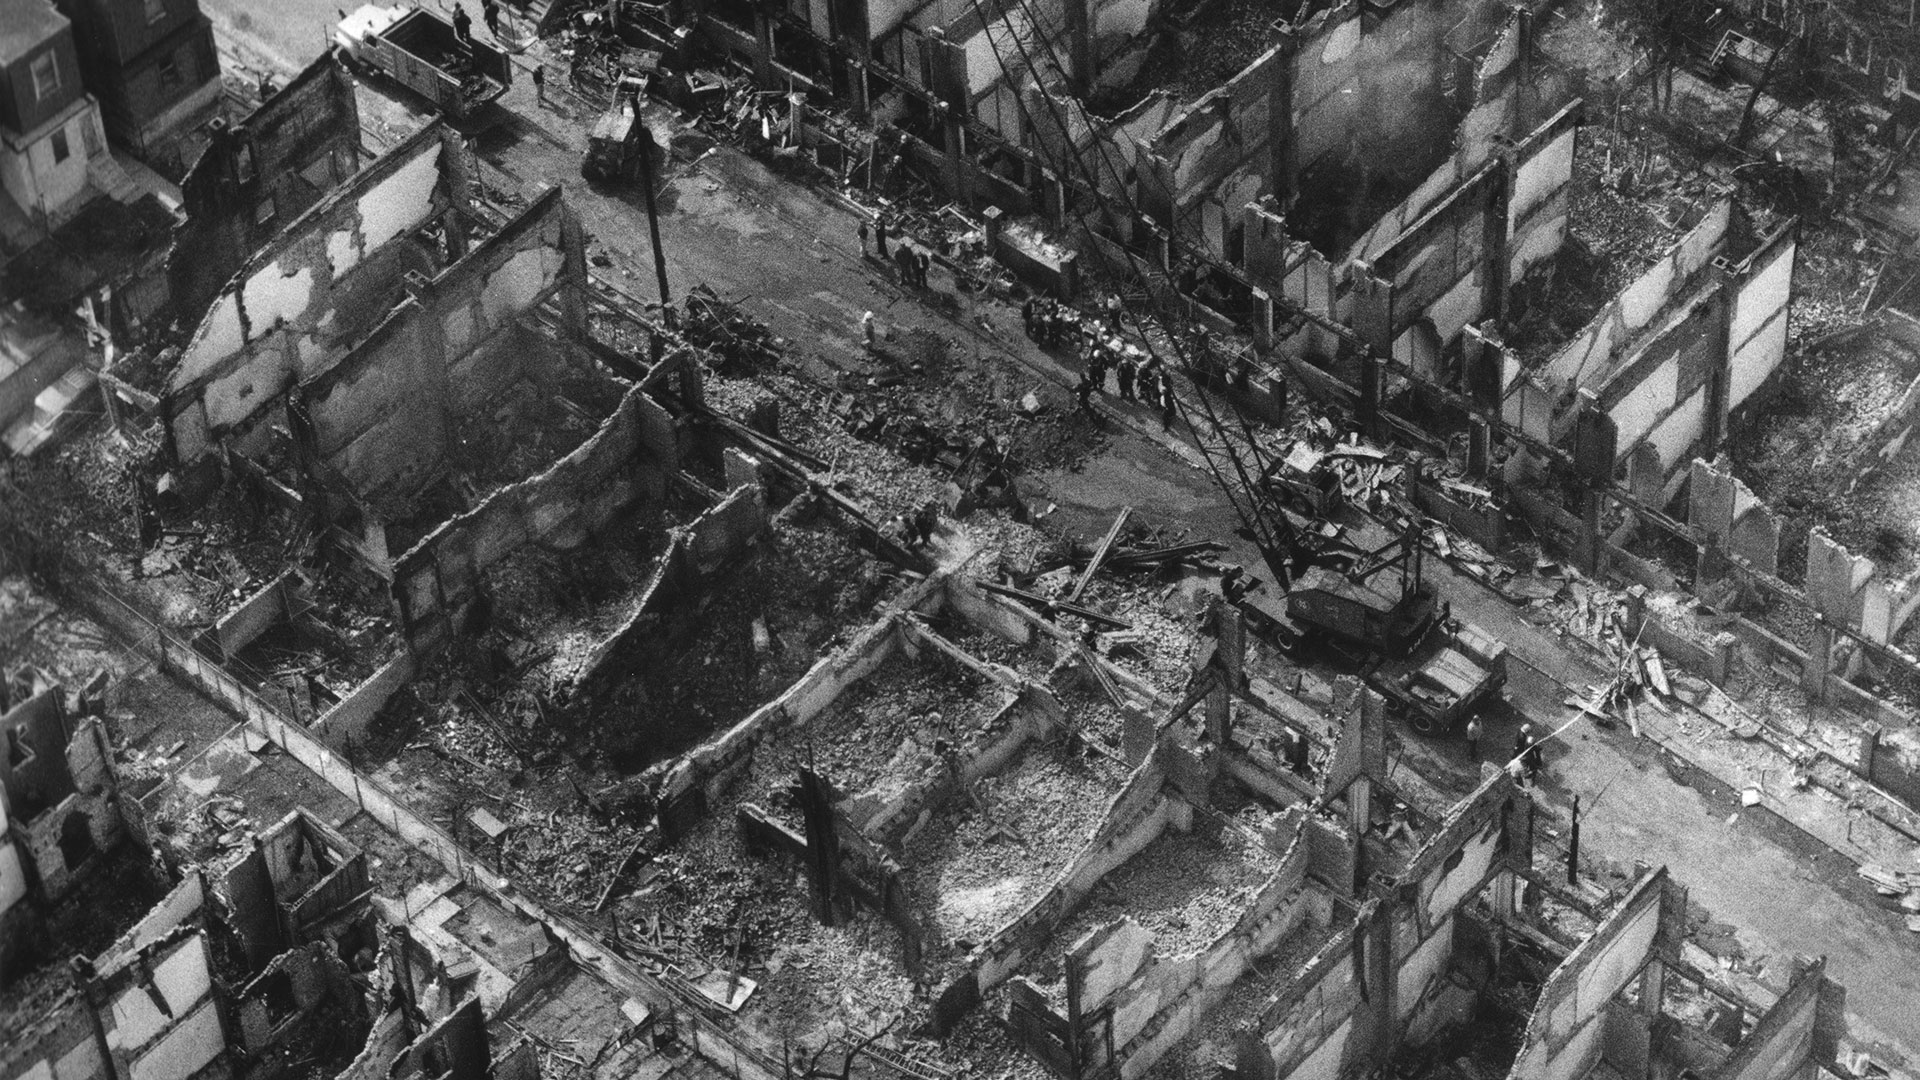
<point>1667,31</point>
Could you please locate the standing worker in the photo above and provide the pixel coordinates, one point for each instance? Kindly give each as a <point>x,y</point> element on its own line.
<point>1166,404</point>
<point>1526,753</point>
<point>924,262</point>
<point>1028,312</point>
<point>490,14</point>
<point>880,234</point>
<point>863,238</point>
<point>1113,312</point>
<point>540,89</point>
<point>866,328</point>
<point>1147,385</point>
<point>1096,366</point>
<point>1125,375</point>
<point>462,25</point>
<point>1473,738</point>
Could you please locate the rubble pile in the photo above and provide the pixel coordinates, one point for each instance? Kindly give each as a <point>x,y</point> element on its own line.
<point>206,833</point>
<point>983,860</point>
<point>730,340</point>
<point>1832,396</point>
<point>879,733</point>
<point>710,911</point>
<point>1210,1048</point>
<point>708,901</point>
<point>568,854</point>
<point>983,1046</point>
<point>752,631</point>
<point>1160,638</point>
<point>1094,714</point>
<point>836,984</point>
<point>1187,888</point>
<point>1627,208</point>
<point>553,609</point>
<point>1190,888</point>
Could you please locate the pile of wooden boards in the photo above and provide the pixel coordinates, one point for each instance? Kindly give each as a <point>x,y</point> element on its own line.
<point>1637,672</point>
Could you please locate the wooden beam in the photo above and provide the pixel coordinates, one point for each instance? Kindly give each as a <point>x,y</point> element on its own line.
<point>1100,554</point>
<point>1050,608</point>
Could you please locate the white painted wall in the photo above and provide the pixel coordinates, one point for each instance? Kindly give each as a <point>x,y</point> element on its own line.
<point>13,879</point>
<point>182,978</point>
<point>401,202</point>
<point>1637,413</point>
<point>185,1050</point>
<point>1759,326</point>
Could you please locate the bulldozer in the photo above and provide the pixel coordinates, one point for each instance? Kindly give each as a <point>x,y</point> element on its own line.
<point>619,144</point>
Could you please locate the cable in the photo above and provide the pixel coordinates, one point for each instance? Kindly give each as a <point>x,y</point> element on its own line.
<point>1257,523</point>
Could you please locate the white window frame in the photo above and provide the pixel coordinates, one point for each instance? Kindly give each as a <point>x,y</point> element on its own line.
<point>46,66</point>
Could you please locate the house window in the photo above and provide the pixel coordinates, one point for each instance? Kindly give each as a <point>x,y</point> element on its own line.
<point>60,147</point>
<point>265,211</point>
<point>243,165</point>
<point>169,74</point>
<point>156,10</point>
<point>46,76</point>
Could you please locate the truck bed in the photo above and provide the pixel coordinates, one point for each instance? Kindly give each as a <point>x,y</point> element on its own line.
<point>428,38</point>
<point>421,52</point>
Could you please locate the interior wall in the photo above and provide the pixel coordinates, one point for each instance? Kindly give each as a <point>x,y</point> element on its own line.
<point>300,143</point>
<point>1563,1036</point>
<point>1589,357</point>
<point>296,307</point>
<point>436,580</point>
<point>1218,154</point>
<point>386,417</point>
<point>1784,1043</point>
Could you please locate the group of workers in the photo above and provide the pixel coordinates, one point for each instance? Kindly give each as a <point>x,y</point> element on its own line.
<point>913,261</point>
<point>463,23</point>
<point>1137,376</point>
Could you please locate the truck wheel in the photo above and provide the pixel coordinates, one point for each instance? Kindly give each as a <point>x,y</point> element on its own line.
<point>1419,721</point>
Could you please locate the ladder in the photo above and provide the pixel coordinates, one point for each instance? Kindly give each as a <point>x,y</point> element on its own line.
<point>912,1068</point>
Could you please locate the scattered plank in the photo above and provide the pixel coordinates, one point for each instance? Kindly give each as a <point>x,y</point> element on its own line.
<point>1100,553</point>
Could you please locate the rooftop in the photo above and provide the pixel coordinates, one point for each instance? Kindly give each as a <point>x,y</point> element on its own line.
<point>24,24</point>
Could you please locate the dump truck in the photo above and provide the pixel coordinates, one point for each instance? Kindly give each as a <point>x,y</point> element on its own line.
<point>419,50</point>
<point>1432,669</point>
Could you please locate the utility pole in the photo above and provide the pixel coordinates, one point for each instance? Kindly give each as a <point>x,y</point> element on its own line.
<point>1573,847</point>
<point>653,216</point>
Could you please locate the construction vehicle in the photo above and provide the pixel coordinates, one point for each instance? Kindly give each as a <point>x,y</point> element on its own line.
<point>1432,668</point>
<point>1305,479</point>
<point>419,50</point>
<point>620,141</point>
